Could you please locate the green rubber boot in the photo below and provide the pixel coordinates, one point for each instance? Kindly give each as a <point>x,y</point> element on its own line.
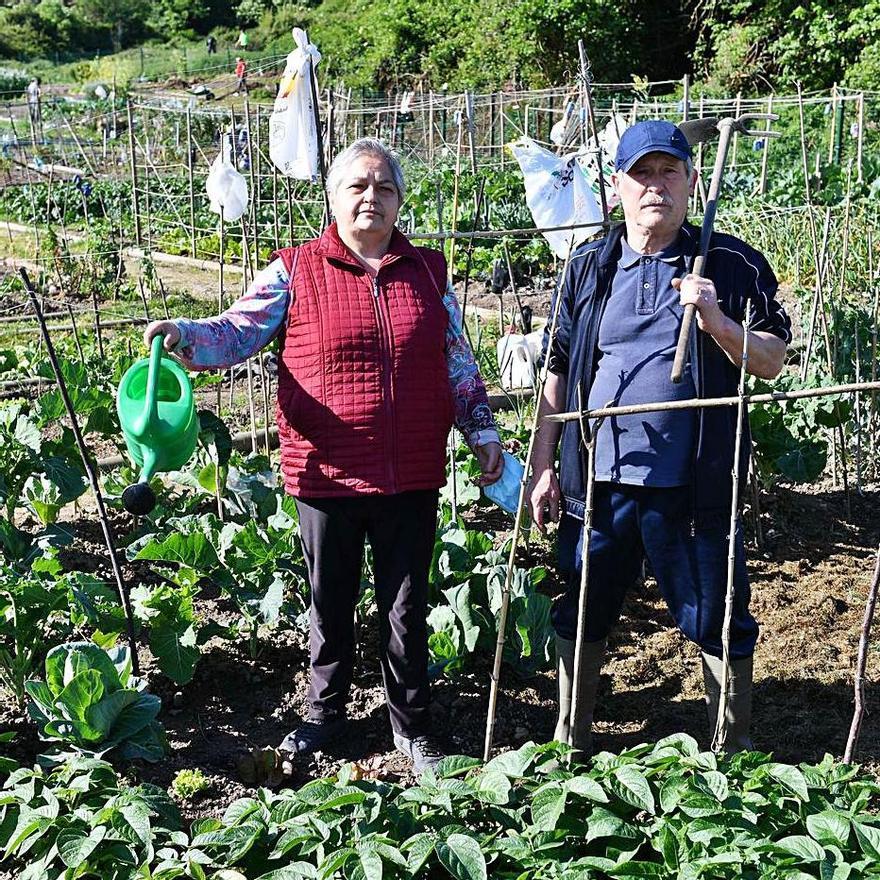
<point>739,706</point>
<point>593,655</point>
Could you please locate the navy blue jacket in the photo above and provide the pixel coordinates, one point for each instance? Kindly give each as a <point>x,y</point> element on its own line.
<point>740,275</point>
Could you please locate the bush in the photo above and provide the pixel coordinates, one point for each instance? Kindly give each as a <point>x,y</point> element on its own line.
<point>13,81</point>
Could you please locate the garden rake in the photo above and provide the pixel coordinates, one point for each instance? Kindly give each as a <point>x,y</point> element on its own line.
<point>699,131</point>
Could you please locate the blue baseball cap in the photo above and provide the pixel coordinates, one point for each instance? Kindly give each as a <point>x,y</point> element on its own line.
<point>651,136</point>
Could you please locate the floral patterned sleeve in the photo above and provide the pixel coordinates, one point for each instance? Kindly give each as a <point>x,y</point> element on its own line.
<point>245,328</point>
<point>473,417</point>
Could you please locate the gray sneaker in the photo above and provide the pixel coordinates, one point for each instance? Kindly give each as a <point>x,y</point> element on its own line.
<point>312,736</point>
<point>424,751</point>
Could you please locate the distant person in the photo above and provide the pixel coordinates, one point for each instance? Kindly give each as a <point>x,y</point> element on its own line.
<point>211,44</point>
<point>35,111</point>
<point>241,74</point>
<point>243,39</point>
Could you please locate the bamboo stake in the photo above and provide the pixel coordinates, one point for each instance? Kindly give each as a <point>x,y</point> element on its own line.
<point>251,407</point>
<point>79,348</point>
<point>588,438</point>
<point>469,117</point>
<point>765,153</point>
<point>861,662</point>
<point>588,95</point>
<point>860,136</point>
<point>518,521</point>
<point>91,472</point>
<point>720,737</point>
<point>190,182</point>
<point>133,171</point>
<point>264,382</point>
<point>455,197</point>
<point>713,402</point>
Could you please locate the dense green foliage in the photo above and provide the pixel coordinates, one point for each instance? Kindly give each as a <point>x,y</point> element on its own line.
<point>664,811</point>
<point>736,44</point>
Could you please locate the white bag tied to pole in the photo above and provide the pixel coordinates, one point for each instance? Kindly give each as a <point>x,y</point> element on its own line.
<point>557,193</point>
<point>562,190</point>
<point>293,139</point>
<point>227,189</point>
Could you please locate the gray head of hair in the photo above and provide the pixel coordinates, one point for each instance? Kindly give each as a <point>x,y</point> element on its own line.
<point>361,147</point>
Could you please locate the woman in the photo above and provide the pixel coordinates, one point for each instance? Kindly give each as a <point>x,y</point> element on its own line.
<point>373,370</point>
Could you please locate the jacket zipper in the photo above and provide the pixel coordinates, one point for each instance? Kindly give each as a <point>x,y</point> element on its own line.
<point>387,385</point>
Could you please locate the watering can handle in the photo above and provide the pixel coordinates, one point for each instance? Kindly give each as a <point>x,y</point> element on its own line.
<point>151,401</point>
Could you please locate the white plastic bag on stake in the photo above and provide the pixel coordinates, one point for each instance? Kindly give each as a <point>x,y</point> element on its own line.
<point>557,193</point>
<point>293,140</point>
<point>227,189</point>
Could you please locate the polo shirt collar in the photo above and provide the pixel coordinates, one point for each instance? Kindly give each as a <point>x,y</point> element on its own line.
<point>670,254</point>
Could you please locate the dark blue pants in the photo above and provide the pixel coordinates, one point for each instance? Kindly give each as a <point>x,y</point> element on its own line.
<point>691,569</point>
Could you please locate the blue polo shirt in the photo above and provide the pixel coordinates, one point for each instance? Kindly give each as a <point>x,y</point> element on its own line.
<point>637,339</point>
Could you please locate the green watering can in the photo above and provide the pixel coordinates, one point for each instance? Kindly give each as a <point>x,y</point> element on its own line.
<point>159,422</point>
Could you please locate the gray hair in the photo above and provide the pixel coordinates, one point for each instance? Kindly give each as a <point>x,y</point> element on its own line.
<point>361,147</point>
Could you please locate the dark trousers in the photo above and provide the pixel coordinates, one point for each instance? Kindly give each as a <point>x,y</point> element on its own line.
<point>630,522</point>
<point>400,529</point>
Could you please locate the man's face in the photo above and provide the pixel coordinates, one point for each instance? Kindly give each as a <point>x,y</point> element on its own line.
<point>654,193</point>
<point>366,200</point>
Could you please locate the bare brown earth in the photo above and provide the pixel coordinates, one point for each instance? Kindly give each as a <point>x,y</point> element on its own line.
<point>810,581</point>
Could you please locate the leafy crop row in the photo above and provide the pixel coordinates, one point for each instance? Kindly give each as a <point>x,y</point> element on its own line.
<point>664,811</point>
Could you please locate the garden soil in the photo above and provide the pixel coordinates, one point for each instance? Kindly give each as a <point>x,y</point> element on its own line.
<point>809,581</point>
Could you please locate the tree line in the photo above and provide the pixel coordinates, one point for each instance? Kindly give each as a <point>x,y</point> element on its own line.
<point>728,45</point>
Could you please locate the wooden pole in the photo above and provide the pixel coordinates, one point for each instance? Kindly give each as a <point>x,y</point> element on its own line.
<point>190,183</point>
<point>133,170</point>
<point>719,739</point>
<point>765,153</point>
<point>860,135</point>
<point>518,524</point>
<point>861,663</point>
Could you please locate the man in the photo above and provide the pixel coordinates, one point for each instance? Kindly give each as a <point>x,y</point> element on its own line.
<point>663,480</point>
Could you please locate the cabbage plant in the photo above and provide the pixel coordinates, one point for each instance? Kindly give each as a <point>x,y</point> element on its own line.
<point>91,702</point>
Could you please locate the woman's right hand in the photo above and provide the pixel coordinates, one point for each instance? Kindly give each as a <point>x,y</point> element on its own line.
<point>168,329</point>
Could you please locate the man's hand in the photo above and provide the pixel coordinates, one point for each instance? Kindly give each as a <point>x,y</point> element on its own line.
<point>491,463</point>
<point>168,329</point>
<point>544,496</point>
<point>700,292</point>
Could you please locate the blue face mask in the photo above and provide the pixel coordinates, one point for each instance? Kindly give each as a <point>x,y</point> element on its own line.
<point>505,491</point>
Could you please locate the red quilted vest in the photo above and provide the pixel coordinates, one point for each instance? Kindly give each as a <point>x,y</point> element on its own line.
<point>364,401</point>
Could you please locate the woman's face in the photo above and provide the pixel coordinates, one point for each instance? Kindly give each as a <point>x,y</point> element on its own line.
<point>366,201</point>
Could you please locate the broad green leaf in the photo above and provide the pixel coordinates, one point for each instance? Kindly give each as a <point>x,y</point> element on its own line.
<point>455,765</point>
<point>176,651</point>
<point>104,714</point>
<point>791,778</point>
<point>75,846</point>
<point>682,742</point>
<point>270,604</point>
<point>193,551</point>
<point>603,823</point>
<point>136,716</point>
<point>494,787</point>
<point>462,857</point>
<point>548,804</point>
<point>371,863</point>
<point>802,847</point>
<point>638,869</point>
<point>717,784</point>
<point>666,844</point>
<point>631,786</point>
<point>83,691</point>
<point>829,828</point>
<point>869,839</point>
<point>587,787</point>
<point>459,599</point>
